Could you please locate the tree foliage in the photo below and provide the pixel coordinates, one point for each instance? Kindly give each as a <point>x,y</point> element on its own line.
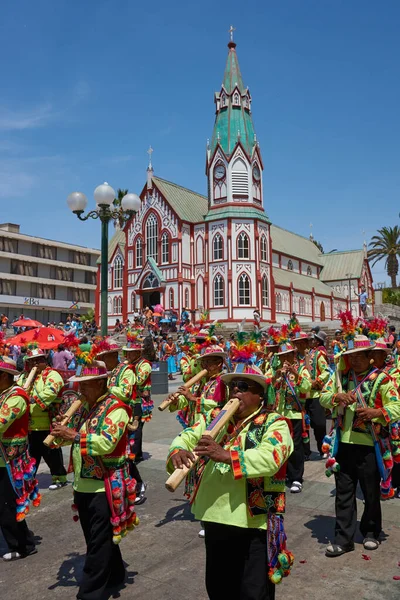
<point>386,246</point>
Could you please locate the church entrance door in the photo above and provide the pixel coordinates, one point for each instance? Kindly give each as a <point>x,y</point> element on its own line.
<point>151,299</point>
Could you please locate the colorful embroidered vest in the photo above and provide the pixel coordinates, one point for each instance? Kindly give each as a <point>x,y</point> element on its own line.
<point>15,438</point>
<point>95,419</point>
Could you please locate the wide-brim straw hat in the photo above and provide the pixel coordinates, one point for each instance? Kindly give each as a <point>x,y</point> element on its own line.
<point>244,371</point>
<point>7,365</point>
<point>300,336</point>
<point>213,351</point>
<point>286,349</point>
<point>380,344</point>
<point>133,347</point>
<point>360,343</point>
<point>34,353</point>
<point>95,370</point>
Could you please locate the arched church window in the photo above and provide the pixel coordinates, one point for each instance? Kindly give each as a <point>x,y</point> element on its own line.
<point>264,248</point>
<point>244,290</point>
<point>218,291</point>
<point>302,306</point>
<point>278,302</point>
<point>152,237</point>
<point>139,252</point>
<point>223,101</point>
<point>118,272</point>
<point>165,248</point>
<point>186,298</point>
<point>218,249</point>
<point>171,298</point>
<point>265,291</point>
<point>133,302</point>
<point>243,246</point>
<point>236,99</point>
<point>309,270</point>
<point>290,265</point>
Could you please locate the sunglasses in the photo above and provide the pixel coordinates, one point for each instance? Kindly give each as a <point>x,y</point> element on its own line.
<point>240,385</point>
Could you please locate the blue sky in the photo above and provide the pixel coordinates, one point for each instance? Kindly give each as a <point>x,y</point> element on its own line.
<point>87,86</point>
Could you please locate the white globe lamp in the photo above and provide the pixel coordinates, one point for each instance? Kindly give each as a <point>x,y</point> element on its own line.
<point>104,195</point>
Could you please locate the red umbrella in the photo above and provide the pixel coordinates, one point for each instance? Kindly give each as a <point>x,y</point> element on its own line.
<point>46,337</point>
<point>27,323</point>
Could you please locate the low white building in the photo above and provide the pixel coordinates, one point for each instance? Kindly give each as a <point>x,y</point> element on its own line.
<point>44,279</point>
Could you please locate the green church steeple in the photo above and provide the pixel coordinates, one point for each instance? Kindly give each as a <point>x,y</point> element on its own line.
<point>233,121</point>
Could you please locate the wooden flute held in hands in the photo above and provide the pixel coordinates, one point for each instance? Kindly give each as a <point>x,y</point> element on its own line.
<point>187,385</point>
<point>64,421</point>
<point>212,430</point>
<point>30,379</point>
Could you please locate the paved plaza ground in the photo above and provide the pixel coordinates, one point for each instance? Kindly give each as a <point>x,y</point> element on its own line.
<point>165,557</point>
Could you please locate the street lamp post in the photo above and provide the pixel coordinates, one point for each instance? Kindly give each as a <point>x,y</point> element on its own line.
<point>104,196</point>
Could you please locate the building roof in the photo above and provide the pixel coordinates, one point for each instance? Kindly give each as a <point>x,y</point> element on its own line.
<point>10,232</point>
<point>304,283</point>
<point>231,120</point>
<point>188,205</point>
<point>339,265</point>
<point>292,244</point>
<point>237,212</point>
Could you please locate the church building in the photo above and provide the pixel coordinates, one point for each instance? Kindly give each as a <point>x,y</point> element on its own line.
<point>221,253</point>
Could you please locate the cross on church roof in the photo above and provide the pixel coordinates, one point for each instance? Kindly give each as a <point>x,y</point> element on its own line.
<point>150,152</point>
<point>231,30</point>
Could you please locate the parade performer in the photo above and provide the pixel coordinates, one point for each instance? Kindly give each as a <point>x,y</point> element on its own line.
<point>18,485</point>
<point>292,383</point>
<point>142,404</point>
<point>44,401</point>
<point>320,373</point>
<point>382,360</point>
<point>239,491</point>
<point>169,352</point>
<point>337,344</point>
<point>104,493</point>
<point>364,403</point>
<point>205,397</point>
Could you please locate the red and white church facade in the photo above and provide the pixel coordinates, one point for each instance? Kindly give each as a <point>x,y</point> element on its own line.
<point>220,253</point>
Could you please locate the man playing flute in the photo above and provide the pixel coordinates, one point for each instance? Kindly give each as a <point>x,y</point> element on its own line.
<point>239,490</point>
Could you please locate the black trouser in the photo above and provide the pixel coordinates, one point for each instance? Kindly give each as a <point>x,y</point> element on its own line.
<point>295,466</point>
<point>134,473</point>
<point>357,464</point>
<point>396,476</point>
<point>317,423</point>
<point>52,457</point>
<point>240,573</point>
<point>103,564</point>
<point>137,444</point>
<point>17,535</point>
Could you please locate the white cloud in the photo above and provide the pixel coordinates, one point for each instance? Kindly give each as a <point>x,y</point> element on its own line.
<point>14,120</point>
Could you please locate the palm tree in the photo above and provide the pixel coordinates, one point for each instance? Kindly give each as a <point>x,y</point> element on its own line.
<point>386,246</point>
<point>117,204</point>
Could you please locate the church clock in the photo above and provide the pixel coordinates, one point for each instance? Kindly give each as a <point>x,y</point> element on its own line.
<point>256,173</point>
<point>219,172</point>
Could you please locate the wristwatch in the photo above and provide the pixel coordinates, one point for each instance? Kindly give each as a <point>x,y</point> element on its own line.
<point>77,438</point>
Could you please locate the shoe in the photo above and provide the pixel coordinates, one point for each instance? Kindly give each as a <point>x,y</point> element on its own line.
<point>16,555</point>
<point>140,497</point>
<point>325,456</point>
<point>370,543</point>
<point>296,487</point>
<point>57,485</point>
<point>307,457</point>
<point>202,533</point>
<point>333,550</point>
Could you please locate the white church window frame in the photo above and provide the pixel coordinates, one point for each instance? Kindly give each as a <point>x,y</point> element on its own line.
<point>244,291</point>
<point>243,245</point>
<point>240,179</point>
<point>152,237</point>
<point>219,290</point>
<point>139,252</point>
<point>218,247</point>
<point>264,248</point>
<point>118,272</point>
<point>165,248</point>
<point>278,302</point>
<point>265,290</point>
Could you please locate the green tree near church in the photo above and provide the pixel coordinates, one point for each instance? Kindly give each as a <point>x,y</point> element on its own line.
<point>117,203</point>
<point>386,246</point>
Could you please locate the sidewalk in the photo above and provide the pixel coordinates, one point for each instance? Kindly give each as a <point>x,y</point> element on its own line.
<point>165,557</point>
